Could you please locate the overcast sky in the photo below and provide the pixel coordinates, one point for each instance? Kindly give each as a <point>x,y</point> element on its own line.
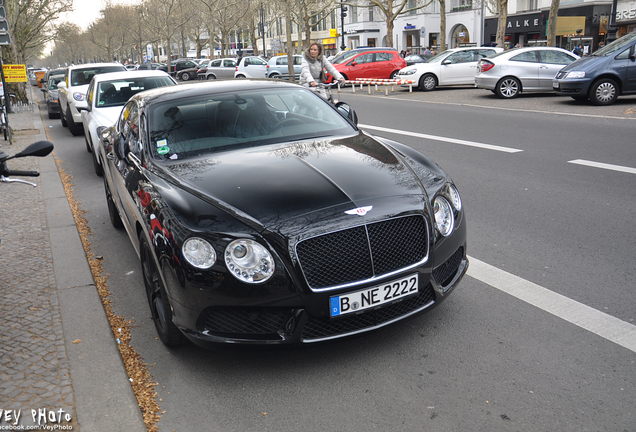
<point>87,11</point>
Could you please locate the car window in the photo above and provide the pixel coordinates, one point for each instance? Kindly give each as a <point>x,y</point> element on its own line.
<point>383,56</point>
<point>117,92</point>
<point>526,56</point>
<point>191,64</point>
<point>281,61</point>
<point>624,55</point>
<point>556,57</point>
<point>54,81</point>
<point>215,63</point>
<point>199,125</point>
<point>298,60</point>
<point>229,63</point>
<point>364,58</point>
<point>84,76</point>
<point>461,57</point>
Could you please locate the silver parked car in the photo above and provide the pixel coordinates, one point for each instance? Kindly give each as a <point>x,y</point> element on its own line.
<point>220,69</point>
<point>520,70</point>
<point>277,66</point>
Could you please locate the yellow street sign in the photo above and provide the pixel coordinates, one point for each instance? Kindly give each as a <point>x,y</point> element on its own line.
<point>15,73</point>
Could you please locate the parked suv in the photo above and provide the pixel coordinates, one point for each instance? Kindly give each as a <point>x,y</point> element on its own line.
<point>277,66</point>
<point>179,65</point>
<point>602,76</point>
<point>72,91</point>
<point>251,67</point>
<point>369,63</point>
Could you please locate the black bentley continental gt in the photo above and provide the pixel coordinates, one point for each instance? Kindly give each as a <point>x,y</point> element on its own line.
<point>262,215</point>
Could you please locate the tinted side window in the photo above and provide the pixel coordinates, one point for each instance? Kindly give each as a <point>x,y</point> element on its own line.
<point>383,56</point>
<point>364,58</point>
<point>215,63</point>
<point>528,56</point>
<point>556,57</point>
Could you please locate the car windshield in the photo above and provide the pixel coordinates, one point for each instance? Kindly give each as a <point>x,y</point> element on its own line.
<point>617,45</point>
<point>345,57</point>
<point>117,92</point>
<point>191,127</point>
<point>84,76</point>
<point>54,81</point>
<point>439,56</point>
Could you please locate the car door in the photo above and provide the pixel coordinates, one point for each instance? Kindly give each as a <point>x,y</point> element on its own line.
<point>383,65</point>
<point>458,68</point>
<point>525,67</point>
<point>361,66</point>
<point>123,167</point>
<point>551,63</point>
<point>228,69</point>
<point>625,65</point>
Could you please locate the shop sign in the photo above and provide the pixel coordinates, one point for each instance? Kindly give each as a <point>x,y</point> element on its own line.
<point>626,14</point>
<point>569,25</point>
<point>523,23</point>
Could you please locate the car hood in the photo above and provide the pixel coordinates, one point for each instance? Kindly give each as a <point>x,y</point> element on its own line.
<point>107,116</point>
<point>587,63</point>
<point>272,184</point>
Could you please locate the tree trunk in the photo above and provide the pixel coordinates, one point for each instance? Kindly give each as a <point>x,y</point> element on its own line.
<point>389,32</point>
<point>502,6</point>
<point>554,11</point>
<point>442,25</point>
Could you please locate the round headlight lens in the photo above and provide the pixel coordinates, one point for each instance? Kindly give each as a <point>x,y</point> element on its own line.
<point>444,219</point>
<point>199,253</point>
<point>456,200</point>
<point>78,96</point>
<point>248,261</point>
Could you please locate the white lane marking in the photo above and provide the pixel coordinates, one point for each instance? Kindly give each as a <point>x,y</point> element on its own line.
<point>603,166</point>
<point>439,138</point>
<point>590,319</point>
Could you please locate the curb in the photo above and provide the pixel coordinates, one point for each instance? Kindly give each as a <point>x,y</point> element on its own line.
<point>104,399</point>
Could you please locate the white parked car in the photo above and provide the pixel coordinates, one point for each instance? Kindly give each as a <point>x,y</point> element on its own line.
<point>251,67</point>
<point>106,96</point>
<point>452,67</point>
<point>72,91</point>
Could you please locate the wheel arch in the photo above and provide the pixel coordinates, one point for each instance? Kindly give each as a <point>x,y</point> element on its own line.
<point>607,75</point>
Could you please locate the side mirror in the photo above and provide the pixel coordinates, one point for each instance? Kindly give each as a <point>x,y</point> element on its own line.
<point>348,112</point>
<point>354,63</point>
<point>446,62</point>
<point>120,146</point>
<point>40,148</point>
<point>61,84</point>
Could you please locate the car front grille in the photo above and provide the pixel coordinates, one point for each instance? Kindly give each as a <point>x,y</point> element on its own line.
<point>324,328</point>
<point>363,252</point>
<point>245,322</point>
<point>445,273</point>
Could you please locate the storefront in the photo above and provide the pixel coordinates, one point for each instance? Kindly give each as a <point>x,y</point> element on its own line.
<point>523,29</point>
<point>626,17</point>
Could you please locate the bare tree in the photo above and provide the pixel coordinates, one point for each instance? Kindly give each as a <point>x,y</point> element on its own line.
<point>307,11</point>
<point>502,17</point>
<point>163,16</point>
<point>554,11</point>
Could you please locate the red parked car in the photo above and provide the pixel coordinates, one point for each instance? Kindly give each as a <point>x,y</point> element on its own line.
<point>376,63</point>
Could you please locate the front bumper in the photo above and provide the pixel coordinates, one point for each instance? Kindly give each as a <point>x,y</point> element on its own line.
<point>77,115</point>
<point>575,87</point>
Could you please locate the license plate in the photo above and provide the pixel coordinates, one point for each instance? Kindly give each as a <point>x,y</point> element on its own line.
<point>555,85</point>
<point>374,296</point>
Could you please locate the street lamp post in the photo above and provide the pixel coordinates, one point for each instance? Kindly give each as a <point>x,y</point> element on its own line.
<point>343,14</point>
<point>611,28</point>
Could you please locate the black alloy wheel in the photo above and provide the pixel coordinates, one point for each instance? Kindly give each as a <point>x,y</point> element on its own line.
<point>157,297</point>
<point>115,219</point>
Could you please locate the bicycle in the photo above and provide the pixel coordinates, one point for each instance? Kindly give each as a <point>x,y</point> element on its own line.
<point>40,148</point>
<point>4,120</point>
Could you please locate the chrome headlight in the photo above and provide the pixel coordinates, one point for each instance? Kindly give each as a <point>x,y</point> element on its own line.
<point>574,75</point>
<point>456,200</point>
<point>407,72</point>
<point>78,96</point>
<point>199,252</point>
<point>444,218</point>
<point>248,261</point>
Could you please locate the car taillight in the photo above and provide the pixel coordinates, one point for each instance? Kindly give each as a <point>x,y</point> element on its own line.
<point>485,66</point>
<point>236,69</point>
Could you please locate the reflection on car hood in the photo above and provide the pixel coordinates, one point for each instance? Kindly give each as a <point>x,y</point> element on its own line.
<point>587,63</point>
<point>107,116</point>
<point>279,182</point>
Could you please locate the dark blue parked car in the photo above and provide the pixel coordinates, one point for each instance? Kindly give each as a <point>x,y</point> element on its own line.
<point>602,76</point>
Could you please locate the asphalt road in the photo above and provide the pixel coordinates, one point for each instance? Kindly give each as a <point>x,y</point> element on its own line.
<point>485,360</point>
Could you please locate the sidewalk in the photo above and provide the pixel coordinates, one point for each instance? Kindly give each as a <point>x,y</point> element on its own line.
<point>58,356</point>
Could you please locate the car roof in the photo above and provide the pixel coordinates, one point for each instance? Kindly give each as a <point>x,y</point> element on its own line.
<point>128,74</point>
<point>93,65</point>
<point>184,91</point>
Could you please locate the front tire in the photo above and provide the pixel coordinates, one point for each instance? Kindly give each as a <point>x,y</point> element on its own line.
<point>393,74</point>
<point>508,88</point>
<point>158,297</point>
<point>115,220</point>
<point>604,92</point>
<point>428,82</point>
<point>63,119</point>
<point>72,126</point>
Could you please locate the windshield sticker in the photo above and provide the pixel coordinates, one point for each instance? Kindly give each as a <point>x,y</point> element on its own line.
<point>174,156</point>
<point>162,143</point>
<point>163,150</point>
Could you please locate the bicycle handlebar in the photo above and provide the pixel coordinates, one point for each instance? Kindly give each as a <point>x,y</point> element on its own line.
<point>22,173</point>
